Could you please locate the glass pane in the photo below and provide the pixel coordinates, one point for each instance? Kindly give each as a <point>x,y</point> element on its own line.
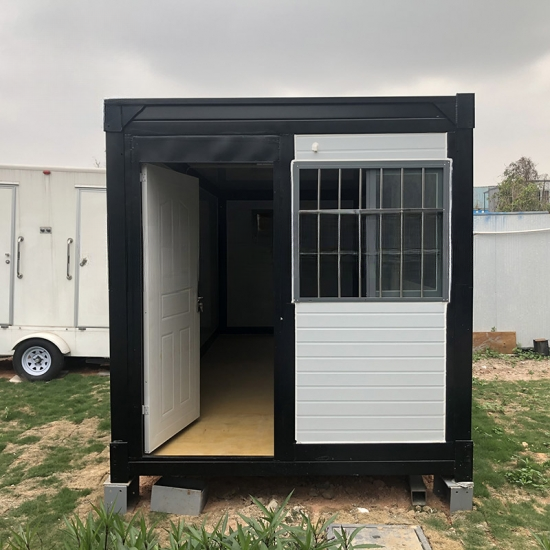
<point>412,188</point>
<point>433,254</point>
<point>349,275</point>
<point>433,193</point>
<point>308,189</point>
<point>308,233</point>
<point>350,188</point>
<point>433,228</point>
<point>412,253</point>
<point>329,188</point>
<point>391,188</point>
<point>391,251</point>
<point>329,233</point>
<point>349,234</point>
<point>308,276</point>
<point>370,269</point>
<point>371,189</point>
<point>329,276</point>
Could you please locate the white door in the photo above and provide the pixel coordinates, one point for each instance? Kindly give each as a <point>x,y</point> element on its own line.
<point>171,319</point>
<point>44,288</point>
<point>92,283</point>
<point>7,205</point>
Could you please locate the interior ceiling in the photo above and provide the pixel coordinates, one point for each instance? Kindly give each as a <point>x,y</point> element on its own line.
<point>233,177</point>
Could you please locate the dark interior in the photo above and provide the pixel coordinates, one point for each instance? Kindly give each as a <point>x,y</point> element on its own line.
<point>236,248</point>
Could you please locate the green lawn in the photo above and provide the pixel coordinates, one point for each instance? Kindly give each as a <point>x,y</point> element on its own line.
<point>511,431</point>
<point>47,431</point>
<point>50,431</point>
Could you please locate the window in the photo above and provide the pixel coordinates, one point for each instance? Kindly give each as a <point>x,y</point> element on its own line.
<point>371,230</point>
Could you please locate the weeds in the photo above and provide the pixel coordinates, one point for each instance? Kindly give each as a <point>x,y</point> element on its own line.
<point>519,354</point>
<point>106,530</point>
<point>527,474</point>
<point>543,540</point>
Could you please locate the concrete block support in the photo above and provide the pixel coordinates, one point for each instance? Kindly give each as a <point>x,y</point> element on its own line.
<point>178,496</point>
<point>120,496</point>
<point>459,494</point>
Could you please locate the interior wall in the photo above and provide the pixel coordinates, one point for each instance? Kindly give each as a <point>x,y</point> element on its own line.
<point>249,264</point>
<point>208,264</point>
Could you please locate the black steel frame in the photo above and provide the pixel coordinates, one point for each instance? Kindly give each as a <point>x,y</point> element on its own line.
<point>262,130</point>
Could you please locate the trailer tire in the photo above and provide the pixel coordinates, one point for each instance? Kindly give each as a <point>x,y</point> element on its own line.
<point>36,360</point>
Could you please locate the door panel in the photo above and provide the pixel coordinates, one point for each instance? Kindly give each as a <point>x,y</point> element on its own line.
<point>91,265</point>
<point>7,204</point>
<point>46,220</point>
<point>171,319</point>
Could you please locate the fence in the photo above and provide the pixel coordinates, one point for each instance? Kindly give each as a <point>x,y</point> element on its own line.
<point>512,274</point>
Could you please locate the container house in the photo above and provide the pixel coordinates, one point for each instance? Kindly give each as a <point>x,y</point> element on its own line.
<point>290,286</point>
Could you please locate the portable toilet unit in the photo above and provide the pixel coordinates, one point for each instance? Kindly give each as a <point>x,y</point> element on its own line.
<point>290,286</point>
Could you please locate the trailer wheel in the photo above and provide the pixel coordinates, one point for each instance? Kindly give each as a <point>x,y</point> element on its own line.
<point>36,359</point>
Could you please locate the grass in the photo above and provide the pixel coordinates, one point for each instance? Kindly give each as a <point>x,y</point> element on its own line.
<point>511,432</point>
<point>33,455</point>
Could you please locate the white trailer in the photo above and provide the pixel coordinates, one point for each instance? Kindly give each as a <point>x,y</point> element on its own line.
<point>53,270</point>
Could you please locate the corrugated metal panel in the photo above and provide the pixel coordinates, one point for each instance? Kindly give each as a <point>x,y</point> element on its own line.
<point>362,382</point>
<point>512,274</point>
<point>371,147</point>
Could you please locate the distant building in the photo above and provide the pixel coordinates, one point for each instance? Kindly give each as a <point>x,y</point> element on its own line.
<point>485,199</point>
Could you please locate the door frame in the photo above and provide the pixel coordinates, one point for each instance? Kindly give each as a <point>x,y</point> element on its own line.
<point>203,149</point>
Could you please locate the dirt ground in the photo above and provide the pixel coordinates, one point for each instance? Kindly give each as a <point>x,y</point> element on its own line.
<point>355,500</point>
<point>511,370</point>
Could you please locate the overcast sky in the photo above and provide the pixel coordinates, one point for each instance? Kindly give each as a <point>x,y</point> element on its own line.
<point>60,58</point>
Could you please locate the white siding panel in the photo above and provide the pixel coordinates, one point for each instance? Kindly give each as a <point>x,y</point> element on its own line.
<point>371,335</point>
<point>390,349</point>
<point>372,436</point>
<point>355,423</point>
<point>371,147</point>
<point>361,382</point>
<point>373,364</point>
<point>371,320</point>
<point>369,411</point>
<point>368,379</point>
<point>395,393</point>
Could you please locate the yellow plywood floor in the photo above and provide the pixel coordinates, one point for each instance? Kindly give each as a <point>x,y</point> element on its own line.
<point>236,401</point>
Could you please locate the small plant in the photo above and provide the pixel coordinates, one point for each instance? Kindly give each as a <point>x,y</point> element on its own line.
<point>527,474</point>
<point>104,529</point>
<point>486,353</point>
<point>528,355</point>
<point>543,540</point>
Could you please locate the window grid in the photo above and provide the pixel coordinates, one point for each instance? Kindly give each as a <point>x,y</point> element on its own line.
<point>380,212</point>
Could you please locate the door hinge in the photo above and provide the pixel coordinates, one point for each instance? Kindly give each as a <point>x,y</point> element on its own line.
<point>145,409</point>
<point>142,177</point>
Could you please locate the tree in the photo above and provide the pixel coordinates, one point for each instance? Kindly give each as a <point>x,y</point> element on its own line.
<point>520,189</point>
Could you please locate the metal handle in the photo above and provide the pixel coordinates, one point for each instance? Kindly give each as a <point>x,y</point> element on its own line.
<point>19,241</point>
<point>69,242</point>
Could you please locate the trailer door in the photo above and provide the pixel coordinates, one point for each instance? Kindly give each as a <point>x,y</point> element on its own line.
<point>7,203</point>
<point>171,319</point>
<point>92,306</point>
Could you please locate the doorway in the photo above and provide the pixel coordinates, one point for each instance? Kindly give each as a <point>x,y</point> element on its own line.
<point>209,379</point>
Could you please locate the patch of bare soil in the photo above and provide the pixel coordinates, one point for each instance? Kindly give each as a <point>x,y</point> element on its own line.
<point>511,369</point>
<point>93,467</point>
<point>53,434</point>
